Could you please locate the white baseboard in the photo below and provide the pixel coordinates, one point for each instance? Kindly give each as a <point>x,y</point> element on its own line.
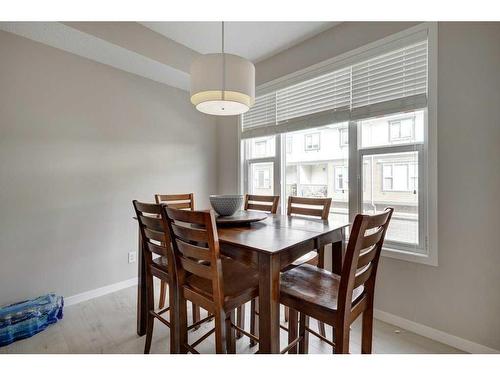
<point>434,334</point>
<point>85,296</point>
<point>409,325</point>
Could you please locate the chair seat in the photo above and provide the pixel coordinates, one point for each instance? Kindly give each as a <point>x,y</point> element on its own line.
<point>315,286</point>
<point>240,281</point>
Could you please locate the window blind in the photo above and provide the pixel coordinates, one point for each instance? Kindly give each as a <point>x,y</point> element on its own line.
<point>394,81</point>
<point>392,76</point>
<point>263,113</point>
<point>327,92</point>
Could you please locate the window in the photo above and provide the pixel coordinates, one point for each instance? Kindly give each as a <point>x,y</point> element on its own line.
<point>311,142</point>
<point>391,147</point>
<point>369,116</point>
<point>387,178</point>
<point>344,137</point>
<point>390,178</point>
<point>399,177</point>
<point>392,130</point>
<point>261,177</point>
<point>260,156</point>
<point>401,130</point>
<point>289,145</point>
<point>319,174</point>
<point>261,147</point>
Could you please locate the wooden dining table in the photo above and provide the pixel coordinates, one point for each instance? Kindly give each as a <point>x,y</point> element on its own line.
<point>269,245</point>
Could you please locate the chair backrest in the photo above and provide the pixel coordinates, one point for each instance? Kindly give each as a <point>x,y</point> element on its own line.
<point>195,246</point>
<point>318,207</point>
<point>180,201</point>
<point>362,255</point>
<point>266,203</point>
<point>153,227</point>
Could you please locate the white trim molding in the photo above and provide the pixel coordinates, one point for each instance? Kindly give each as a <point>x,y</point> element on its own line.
<point>434,334</point>
<point>90,294</point>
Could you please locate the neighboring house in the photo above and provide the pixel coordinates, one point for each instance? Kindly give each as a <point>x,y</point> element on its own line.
<point>317,166</point>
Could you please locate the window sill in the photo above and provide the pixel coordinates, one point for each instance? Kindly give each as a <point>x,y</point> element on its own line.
<point>427,259</point>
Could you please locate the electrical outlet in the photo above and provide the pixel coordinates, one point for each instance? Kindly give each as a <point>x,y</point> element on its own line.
<point>132,257</point>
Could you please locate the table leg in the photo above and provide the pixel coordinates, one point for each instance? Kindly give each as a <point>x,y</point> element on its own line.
<point>142,308</point>
<point>338,254</point>
<point>269,303</point>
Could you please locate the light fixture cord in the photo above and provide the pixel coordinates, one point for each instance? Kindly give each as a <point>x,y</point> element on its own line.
<point>223,66</point>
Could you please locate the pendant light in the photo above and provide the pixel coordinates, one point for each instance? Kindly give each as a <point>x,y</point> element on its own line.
<point>222,84</point>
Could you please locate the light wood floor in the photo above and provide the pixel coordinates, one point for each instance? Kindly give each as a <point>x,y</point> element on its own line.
<point>107,325</point>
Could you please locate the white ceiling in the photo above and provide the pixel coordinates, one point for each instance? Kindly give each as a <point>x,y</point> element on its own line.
<point>61,36</point>
<point>255,41</point>
<point>252,40</point>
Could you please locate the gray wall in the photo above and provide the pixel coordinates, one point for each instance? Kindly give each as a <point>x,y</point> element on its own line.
<point>78,142</point>
<point>227,155</point>
<point>332,42</point>
<point>461,295</point>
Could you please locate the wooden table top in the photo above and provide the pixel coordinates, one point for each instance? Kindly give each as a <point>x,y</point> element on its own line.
<point>278,232</point>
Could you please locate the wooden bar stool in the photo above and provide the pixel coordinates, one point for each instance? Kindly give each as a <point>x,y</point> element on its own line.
<point>154,232</point>
<point>311,207</point>
<point>339,300</point>
<point>263,203</point>
<point>218,284</point>
<point>183,202</point>
<point>308,207</point>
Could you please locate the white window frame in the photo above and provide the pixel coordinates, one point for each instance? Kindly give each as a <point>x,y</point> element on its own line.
<point>395,247</point>
<point>311,137</point>
<point>341,131</point>
<point>395,140</point>
<point>264,142</point>
<point>246,163</point>
<point>408,165</point>
<point>384,177</point>
<point>427,176</point>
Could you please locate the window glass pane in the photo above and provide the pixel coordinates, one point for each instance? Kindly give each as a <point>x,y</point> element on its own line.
<point>261,178</point>
<point>391,180</point>
<point>401,128</point>
<point>319,174</point>
<point>261,147</point>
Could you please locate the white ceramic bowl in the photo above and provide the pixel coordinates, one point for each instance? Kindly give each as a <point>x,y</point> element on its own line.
<point>226,205</point>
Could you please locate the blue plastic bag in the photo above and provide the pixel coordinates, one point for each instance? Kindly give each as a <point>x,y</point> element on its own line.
<point>25,319</point>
